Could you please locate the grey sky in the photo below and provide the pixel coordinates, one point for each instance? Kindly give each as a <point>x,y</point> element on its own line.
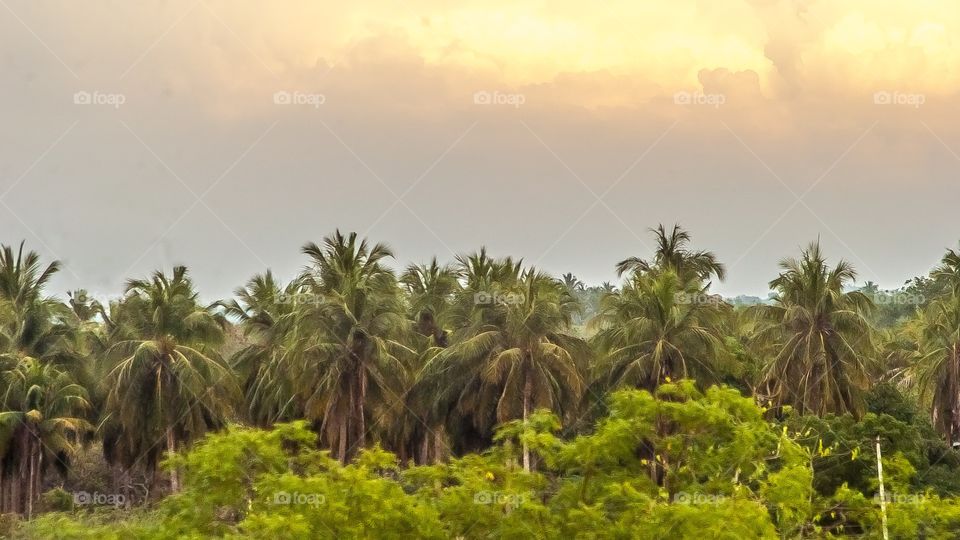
<point>113,191</point>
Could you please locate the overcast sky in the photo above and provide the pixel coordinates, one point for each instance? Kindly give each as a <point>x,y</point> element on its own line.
<point>226,134</point>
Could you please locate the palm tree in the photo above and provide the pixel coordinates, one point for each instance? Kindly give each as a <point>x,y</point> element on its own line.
<point>41,420</point>
<point>430,289</point>
<point>820,335</point>
<point>938,369</point>
<point>267,314</point>
<point>523,362</point>
<point>571,282</point>
<point>656,328</point>
<point>41,327</point>
<point>169,382</point>
<point>349,340</point>
<point>672,253</point>
<point>949,270</point>
<point>21,276</point>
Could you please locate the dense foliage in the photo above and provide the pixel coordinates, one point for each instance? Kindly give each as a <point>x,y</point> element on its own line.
<point>481,399</point>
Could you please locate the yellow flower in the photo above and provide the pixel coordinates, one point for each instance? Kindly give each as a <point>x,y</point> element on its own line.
<point>490,476</point>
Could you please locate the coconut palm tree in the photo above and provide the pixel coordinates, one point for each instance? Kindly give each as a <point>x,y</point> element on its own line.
<point>22,277</point>
<point>41,327</point>
<point>168,383</point>
<point>571,282</point>
<point>672,253</point>
<point>525,361</point>
<point>938,369</point>
<point>820,334</point>
<point>656,328</point>
<point>949,270</point>
<point>267,313</point>
<point>41,420</point>
<point>431,289</point>
<point>348,345</point>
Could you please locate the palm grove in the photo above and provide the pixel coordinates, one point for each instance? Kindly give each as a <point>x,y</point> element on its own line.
<point>437,362</point>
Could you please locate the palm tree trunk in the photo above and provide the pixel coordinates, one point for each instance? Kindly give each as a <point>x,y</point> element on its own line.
<point>20,503</point>
<point>437,447</point>
<point>527,394</point>
<point>15,483</point>
<point>361,436</point>
<point>172,451</point>
<point>342,440</point>
<point>954,383</point>
<point>30,478</point>
<point>424,449</point>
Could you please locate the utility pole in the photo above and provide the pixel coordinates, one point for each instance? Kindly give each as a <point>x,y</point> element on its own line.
<point>883,497</point>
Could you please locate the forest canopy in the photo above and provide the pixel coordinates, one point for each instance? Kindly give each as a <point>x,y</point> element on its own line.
<point>482,398</point>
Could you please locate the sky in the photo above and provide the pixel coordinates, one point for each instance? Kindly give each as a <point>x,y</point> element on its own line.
<point>225,134</point>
